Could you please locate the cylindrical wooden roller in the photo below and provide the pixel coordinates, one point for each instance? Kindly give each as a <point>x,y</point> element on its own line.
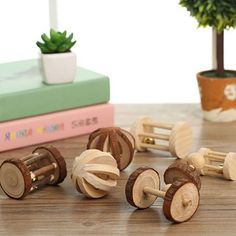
<point>45,166</point>
<point>95,173</point>
<point>120,143</point>
<point>212,163</point>
<point>177,139</point>
<point>179,170</point>
<point>181,198</point>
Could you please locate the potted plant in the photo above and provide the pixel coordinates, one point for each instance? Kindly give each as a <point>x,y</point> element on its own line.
<point>59,63</point>
<point>218,86</point>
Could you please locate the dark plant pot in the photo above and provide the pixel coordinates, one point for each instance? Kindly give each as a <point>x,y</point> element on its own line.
<point>218,97</point>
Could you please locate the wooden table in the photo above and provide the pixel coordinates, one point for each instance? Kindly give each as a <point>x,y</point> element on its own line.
<point>62,211</point>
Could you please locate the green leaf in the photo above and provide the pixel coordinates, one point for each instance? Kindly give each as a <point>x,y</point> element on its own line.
<point>43,47</point>
<point>69,38</point>
<point>57,43</point>
<point>63,48</point>
<point>219,14</point>
<point>45,38</point>
<point>72,44</point>
<point>51,46</point>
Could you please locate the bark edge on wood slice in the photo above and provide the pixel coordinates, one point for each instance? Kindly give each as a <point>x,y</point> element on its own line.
<point>120,143</point>
<point>174,207</point>
<point>15,178</point>
<point>55,156</point>
<point>44,166</point>
<point>132,186</point>
<point>179,170</point>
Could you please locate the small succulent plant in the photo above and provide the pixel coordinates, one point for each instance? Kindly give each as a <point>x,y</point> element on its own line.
<point>58,42</point>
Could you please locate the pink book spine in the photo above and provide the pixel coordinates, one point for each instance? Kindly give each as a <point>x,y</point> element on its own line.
<point>54,126</point>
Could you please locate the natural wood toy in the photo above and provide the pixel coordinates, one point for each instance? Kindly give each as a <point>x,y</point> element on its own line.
<point>120,143</point>
<point>95,173</point>
<point>181,198</point>
<point>45,166</point>
<point>177,137</point>
<point>179,170</point>
<point>213,163</point>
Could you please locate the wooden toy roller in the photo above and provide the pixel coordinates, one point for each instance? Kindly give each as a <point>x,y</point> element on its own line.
<point>212,163</point>
<point>120,143</point>
<point>181,198</point>
<point>177,137</point>
<point>45,166</point>
<point>95,173</point>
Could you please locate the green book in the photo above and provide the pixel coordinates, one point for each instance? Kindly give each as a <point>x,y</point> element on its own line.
<point>23,94</point>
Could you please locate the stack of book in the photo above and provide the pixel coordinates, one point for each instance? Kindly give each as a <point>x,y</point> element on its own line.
<point>32,112</point>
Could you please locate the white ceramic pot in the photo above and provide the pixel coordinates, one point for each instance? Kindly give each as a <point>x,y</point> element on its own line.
<point>59,68</point>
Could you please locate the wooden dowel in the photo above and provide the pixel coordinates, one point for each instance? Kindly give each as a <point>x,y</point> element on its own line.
<point>29,156</point>
<point>159,125</point>
<point>44,169</point>
<point>217,153</point>
<point>155,192</point>
<point>220,161</point>
<point>156,136</point>
<point>166,187</point>
<point>211,173</point>
<point>211,157</point>
<point>215,168</point>
<point>186,202</point>
<point>155,146</point>
<point>33,166</point>
<point>42,182</point>
<point>35,159</point>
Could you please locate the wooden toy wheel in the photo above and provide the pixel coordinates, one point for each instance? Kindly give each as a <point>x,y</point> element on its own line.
<point>181,140</point>
<point>229,168</point>
<point>120,143</point>
<point>138,180</point>
<point>15,178</point>
<point>181,201</point>
<point>180,170</point>
<point>138,128</point>
<point>54,157</point>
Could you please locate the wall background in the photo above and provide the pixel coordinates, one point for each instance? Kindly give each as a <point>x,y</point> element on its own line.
<point>150,49</point>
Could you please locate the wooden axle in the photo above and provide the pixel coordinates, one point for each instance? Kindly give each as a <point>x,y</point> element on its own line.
<point>215,164</point>
<point>45,166</point>
<point>177,138</point>
<point>181,198</point>
<point>95,173</point>
<point>120,143</point>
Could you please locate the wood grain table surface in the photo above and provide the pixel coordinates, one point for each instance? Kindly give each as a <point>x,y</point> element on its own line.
<point>63,211</point>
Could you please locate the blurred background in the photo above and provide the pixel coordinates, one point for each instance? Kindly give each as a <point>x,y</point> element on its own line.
<point>151,50</point>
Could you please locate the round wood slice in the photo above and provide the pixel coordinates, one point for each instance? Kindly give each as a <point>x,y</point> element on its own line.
<point>181,140</point>
<point>180,170</point>
<point>181,201</point>
<point>120,143</point>
<point>204,151</point>
<point>15,178</point>
<point>95,173</point>
<point>138,180</point>
<point>138,128</point>
<point>229,167</point>
<point>54,156</point>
